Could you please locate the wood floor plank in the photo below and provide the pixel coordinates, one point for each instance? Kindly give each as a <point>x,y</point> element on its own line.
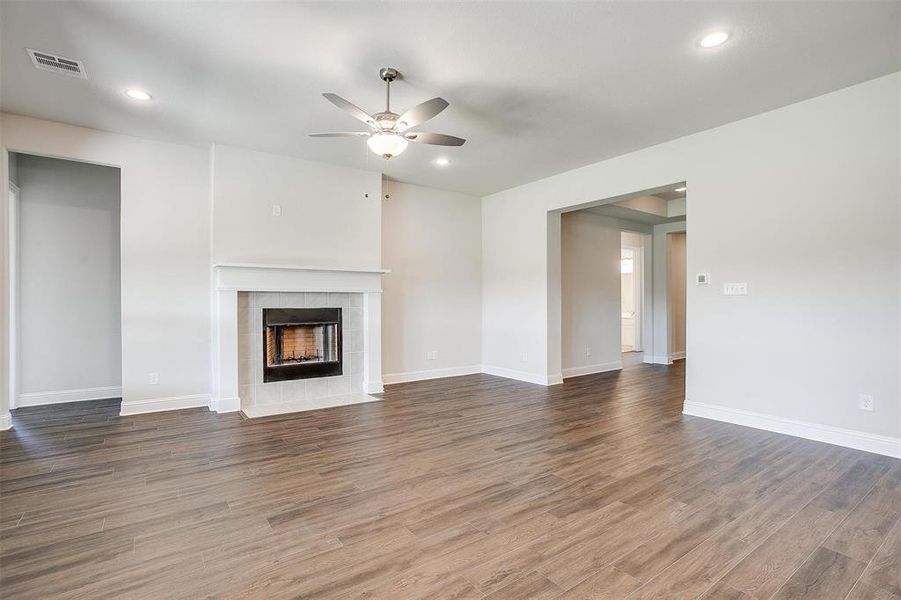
<point>865,591</point>
<point>608,583</point>
<point>825,574</point>
<point>884,571</point>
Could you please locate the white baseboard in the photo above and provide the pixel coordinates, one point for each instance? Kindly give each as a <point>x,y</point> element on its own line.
<point>392,378</point>
<point>592,369</point>
<point>657,360</point>
<point>677,356</point>
<point>59,396</point>
<point>267,410</point>
<point>151,405</point>
<point>6,422</point>
<point>523,375</point>
<point>225,405</point>
<point>849,438</point>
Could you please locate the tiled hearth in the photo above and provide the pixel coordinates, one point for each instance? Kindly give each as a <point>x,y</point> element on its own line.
<point>257,396</point>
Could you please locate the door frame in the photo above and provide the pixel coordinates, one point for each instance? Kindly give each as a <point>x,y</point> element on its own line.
<point>12,269</point>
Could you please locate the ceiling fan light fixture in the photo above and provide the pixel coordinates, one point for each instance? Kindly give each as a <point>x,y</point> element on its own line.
<point>386,144</point>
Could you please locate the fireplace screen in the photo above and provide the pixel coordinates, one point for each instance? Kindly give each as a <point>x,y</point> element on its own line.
<point>300,343</point>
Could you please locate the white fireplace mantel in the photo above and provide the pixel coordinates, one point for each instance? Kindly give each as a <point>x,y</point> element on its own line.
<point>231,278</point>
<point>247,277</point>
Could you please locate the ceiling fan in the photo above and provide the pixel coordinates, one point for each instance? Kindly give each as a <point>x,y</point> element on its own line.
<point>389,131</point>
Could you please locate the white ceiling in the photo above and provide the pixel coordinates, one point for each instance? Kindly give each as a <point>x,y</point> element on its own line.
<point>536,88</point>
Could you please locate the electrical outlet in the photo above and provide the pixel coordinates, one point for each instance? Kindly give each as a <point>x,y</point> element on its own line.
<point>276,210</point>
<point>525,356</point>
<point>153,378</point>
<point>588,351</point>
<point>866,402</point>
<point>433,355</point>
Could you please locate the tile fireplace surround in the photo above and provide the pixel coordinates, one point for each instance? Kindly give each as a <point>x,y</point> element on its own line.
<point>243,290</point>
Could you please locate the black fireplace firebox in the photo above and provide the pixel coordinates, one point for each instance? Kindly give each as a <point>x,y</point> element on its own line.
<point>301,343</point>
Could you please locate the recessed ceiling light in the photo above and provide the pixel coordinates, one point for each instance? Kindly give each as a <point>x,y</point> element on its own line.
<point>442,161</point>
<point>712,40</point>
<point>680,189</point>
<point>136,94</point>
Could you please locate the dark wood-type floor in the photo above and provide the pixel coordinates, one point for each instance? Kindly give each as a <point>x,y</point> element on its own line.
<point>459,488</point>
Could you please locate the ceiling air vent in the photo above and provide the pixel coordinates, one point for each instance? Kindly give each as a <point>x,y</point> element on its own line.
<point>57,64</point>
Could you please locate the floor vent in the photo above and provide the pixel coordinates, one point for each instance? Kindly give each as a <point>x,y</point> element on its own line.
<point>57,64</point>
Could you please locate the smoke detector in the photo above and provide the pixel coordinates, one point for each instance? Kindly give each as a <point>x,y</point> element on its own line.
<point>46,61</point>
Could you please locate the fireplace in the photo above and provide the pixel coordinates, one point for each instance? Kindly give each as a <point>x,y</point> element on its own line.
<point>301,343</point>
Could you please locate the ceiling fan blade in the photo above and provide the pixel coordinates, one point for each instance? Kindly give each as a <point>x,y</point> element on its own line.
<point>341,134</point>
<point>437,139</point>
<point>422,112</point>
<point>352,109</point>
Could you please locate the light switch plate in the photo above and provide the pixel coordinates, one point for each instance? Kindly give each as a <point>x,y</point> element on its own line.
<point>735,289</point>
<point>276,210</point>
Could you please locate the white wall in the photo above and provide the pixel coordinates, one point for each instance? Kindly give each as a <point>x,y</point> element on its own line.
<point>802,203</point>
<point>69,302</point>
<point>591,298</point>
<point>326,219</point>
<point>165,251</point>
<point>676,294</point>
<point>432,296</point>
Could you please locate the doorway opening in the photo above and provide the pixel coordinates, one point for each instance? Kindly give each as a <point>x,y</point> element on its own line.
<point>65,281</point>
<point>623,282</point>
<point>631,290</point>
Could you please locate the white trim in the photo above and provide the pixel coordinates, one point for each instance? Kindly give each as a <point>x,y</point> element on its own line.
<point>266,410</point>
<point>592,369</point>
<point>59,396</point>
<point>677,356</point>
<point>297,268</point>
<point>392,378</point>
<point>12,267</point>
<point>225,405</point>
<point>6,421</point>
<point>849,438</point>
<point>151,405</point>
<point>656,360</point>
<point>523,375</point>
<point>270,278</point>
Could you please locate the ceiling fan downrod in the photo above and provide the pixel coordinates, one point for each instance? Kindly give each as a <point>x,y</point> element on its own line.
<point>388,74</point>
